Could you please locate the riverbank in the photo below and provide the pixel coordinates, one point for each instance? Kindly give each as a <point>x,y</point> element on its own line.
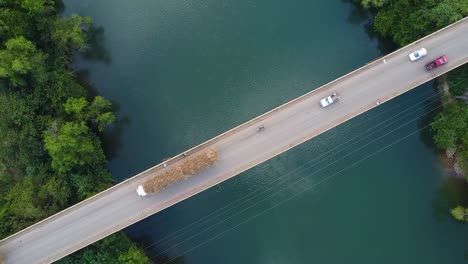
<point>452,158</point>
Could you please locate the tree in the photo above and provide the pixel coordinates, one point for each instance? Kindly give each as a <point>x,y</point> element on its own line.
<point>98,113</point>
<point>405,21</point>
<point>70,32</point>
<point>54,193</point>
<point>19,208</point>
<point>133,255</point>
<point>20,145</point>
<point>373,3</point>
<point>76,107</point>
<point>445,13</point>
<point>460,213</point>
<point>35,6</point>
<point>116,248</point>
<point>74,146</point>
<point>13,24</point>
<point>19,59</point>
<point>451,126</point>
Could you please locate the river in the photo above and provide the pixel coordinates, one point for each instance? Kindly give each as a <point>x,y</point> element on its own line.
<point>183,71</point>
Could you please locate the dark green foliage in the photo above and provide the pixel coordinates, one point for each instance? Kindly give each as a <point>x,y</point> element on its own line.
<point>458,80</point>
<point>50,152</point>
<point>13,24</point>
<point>18,209</point>
<point>451,126</point>
<point>21,145</point>
<point>69,32</point>
<point>405,21</point>
<point>451,131</point>
<point>116,249</point>
<point>87,185</point>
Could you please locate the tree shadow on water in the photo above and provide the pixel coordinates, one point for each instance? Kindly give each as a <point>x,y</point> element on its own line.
<point>148,246</point>
<point>452,192</point>
<point>358,14</point>
<point>96,50</point>
<point>365,17</point>
<point>111,138</point>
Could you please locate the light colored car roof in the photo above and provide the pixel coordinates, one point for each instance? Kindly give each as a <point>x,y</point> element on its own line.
<point>421,52</point>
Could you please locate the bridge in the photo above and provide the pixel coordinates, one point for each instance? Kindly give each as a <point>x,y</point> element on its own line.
<point>239,149</point>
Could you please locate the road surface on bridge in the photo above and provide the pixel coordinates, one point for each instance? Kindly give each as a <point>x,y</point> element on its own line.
<point>239,149</point>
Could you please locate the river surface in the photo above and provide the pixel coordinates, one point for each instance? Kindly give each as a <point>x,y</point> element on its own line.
<point>183,71</point>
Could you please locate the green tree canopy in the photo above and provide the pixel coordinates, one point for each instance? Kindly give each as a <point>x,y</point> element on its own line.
<point>372,3</point>
<point>19,59</point>
<point>116,248</point>
<point>460,213</point>
<point>13,24</point>
<point>98,113</point>
<point>406,20</point>
<point>17,209</point>
<point>73,146</point>
<point>21,145</point>
<point>70,32</point>
<point>451,126</point>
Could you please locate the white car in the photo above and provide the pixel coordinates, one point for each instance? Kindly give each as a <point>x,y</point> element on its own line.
<point>417,54</point>
<point>329,100</point>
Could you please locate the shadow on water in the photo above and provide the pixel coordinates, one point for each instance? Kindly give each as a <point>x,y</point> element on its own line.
<point>357,15</point>
<point>146,242</point>
<point>96,50</point>
<point>360,15</point>
<point>111,138</point>
<point>59,6</point>
<point>452,192</point>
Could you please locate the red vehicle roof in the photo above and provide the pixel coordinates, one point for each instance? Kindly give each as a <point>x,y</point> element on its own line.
<point>442,60</point>
<point>437,62</point>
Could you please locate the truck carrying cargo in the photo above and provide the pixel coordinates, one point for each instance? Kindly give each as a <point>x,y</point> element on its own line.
<point>191,165</point>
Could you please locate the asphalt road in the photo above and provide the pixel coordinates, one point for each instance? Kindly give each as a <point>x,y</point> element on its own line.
<point>239,149</point>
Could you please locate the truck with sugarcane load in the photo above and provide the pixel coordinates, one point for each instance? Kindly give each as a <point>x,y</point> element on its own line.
<point>191,165</point>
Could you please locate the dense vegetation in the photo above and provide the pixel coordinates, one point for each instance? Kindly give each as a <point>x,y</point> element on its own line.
<point>50,150</point>
<point>404,21</point>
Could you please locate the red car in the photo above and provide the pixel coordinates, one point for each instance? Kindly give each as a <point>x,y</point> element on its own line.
<point>436,63</point>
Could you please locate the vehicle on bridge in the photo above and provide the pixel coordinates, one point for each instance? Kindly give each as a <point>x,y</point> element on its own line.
<point>190,166</point>
<point>417,54</point>
<point>329,100</point>
<point>437,62</point>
